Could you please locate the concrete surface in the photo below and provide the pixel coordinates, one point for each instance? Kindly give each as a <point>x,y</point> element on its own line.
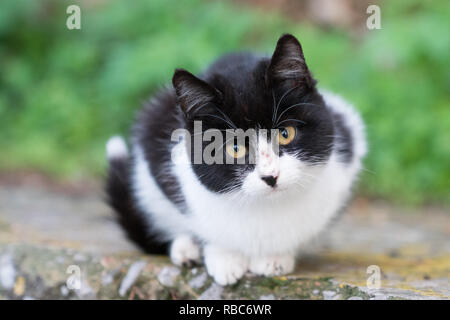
<point>60,244</point>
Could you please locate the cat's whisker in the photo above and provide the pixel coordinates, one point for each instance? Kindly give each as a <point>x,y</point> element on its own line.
<point>220,118</point>
<point>274,103</point>
<point>293,106</point>
<point>226,118</point>
<point>232,138</point>
<point>274,115</point>
<point>293,120</point>
<point>230,121</point>
<point>368,170</point>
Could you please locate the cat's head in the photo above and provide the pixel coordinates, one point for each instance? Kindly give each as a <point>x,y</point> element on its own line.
<point>258,94</point>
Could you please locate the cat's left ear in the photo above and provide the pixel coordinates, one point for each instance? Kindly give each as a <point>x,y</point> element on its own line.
<point>288,66</point>
<point>193,93</point>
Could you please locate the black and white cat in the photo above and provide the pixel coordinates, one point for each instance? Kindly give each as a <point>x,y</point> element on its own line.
<point>239,217</point>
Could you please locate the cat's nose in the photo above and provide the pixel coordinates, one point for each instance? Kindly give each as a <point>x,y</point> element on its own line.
<point>270,180</point>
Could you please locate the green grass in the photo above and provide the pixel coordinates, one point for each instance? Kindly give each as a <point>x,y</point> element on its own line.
<point>63,93</point>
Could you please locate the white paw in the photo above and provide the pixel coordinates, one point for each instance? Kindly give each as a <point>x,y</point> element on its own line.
<point>272,265</point>
<point>224,266</point>
<point>184,251</point>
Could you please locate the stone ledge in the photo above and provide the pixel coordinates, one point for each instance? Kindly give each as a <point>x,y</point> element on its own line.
<point>43,232</point>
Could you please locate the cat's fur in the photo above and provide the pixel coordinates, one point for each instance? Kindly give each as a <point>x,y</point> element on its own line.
<point>227,213</point>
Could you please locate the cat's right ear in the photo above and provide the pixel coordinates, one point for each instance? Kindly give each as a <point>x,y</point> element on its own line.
<point>193,93</point>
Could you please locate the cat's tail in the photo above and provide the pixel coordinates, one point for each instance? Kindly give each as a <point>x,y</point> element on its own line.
<point>120,198</point>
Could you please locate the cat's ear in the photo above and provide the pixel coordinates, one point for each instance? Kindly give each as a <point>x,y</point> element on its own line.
<point>193,93</point>
<point>288,66</point>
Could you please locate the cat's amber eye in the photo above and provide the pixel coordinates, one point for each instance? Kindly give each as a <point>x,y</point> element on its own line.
<point>286,135</point>
<point>236,150</point>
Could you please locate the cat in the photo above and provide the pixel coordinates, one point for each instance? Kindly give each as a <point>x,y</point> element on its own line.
<point>242,217</point>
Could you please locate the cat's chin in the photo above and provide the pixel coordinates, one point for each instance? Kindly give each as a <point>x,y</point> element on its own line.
<point>275,193</point>
<point>269,193</point>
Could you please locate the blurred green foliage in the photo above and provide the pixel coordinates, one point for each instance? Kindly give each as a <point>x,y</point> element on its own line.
<point>63,93</point>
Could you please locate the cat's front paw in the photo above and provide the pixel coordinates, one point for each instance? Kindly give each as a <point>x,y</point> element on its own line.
<point>272,265</point>
<point>184,251</point>
<point>224,266</point>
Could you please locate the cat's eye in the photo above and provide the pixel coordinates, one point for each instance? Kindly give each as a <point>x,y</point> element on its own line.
<point>236,150</point>
<point>286,135</point>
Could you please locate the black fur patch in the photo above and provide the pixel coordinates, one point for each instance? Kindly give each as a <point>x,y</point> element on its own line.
<point>344,139</point>
<point>152,131</point>
<point>118,190</point>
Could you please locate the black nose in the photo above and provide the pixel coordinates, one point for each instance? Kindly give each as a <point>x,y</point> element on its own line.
<point>270,180</point>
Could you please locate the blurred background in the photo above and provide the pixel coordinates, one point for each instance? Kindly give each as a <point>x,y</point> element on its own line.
<point>64,92</point>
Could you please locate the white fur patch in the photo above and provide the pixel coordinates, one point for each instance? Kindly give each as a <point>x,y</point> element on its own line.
<point>224,266</point>
<point>116,148</point>
<point>272,265</point>
<point>267,161</point>
<point>184,250</point>
<point>161,212</point>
